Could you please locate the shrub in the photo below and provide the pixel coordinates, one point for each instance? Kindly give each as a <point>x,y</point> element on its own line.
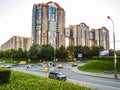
<point>4,74</point>
<point>105,58</point>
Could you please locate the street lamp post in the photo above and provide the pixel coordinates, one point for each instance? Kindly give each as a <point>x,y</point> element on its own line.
<point>115,61</point>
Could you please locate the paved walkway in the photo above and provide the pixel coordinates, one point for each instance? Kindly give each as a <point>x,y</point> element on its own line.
<point>105,75</point>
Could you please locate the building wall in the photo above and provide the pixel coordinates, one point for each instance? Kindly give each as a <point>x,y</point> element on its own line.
<point>48,24</point>
<point>17,42</point>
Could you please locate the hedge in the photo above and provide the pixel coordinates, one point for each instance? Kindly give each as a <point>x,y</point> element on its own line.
<point>106,58</point>
<point>4,75</point>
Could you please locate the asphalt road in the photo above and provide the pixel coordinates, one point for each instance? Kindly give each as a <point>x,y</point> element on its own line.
<point>90,81</point>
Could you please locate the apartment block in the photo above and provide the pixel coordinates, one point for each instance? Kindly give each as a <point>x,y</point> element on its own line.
<point>100,37</point>
<point>48,23</point>
<point>48,27</point>
<point>78,35</point>
<point>17,42</point>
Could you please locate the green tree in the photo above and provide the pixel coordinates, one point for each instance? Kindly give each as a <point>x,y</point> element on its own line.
<point>34,52</point>
<point>19,54</point>
<point>86,52</point>
<point>61,53</point>
<point>47,52</point>
<point>95,50</point>
<point>7,54</point>
<point>111,52</point>
<point>78,50</point>
<point>118,52</point>
<point>70,52</point>
<point>1,54</point>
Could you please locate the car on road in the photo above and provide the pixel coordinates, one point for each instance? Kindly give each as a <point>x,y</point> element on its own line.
<point>57,75</point>
<point>6,66</point>
<point>60,66</point>
<point>74,64</point>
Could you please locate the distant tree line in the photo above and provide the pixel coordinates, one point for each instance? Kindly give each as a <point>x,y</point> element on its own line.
<point>47,52</point>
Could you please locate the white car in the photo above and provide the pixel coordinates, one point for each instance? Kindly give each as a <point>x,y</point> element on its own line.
<point>6,66</point>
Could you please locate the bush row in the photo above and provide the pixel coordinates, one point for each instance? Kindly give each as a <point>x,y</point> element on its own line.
<point>106,58</point>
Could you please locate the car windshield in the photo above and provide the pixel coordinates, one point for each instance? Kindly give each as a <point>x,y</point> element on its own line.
<point>59,73</point>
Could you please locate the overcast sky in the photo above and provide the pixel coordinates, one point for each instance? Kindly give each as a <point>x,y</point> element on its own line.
<point>16,16</point>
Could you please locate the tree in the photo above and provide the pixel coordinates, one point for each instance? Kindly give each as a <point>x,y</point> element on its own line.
<point>85,52</point>
<point>70,52</point>
<point>78,50</point>
<point>95,51</point>
<point>61,53</point>
<point>19,54</point>
<point>47,52</point>
<point>34,52</point>
<point>118,52</point>
<point>111,52</point>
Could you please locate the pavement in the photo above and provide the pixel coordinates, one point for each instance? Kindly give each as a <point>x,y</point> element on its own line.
<point>103,75</point>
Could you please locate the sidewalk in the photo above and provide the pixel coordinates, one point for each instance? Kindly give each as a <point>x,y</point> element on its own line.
<point>104,75</point>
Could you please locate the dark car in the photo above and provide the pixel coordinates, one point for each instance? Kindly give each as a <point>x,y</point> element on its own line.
<point>74,64</point>
<point>57,75</point>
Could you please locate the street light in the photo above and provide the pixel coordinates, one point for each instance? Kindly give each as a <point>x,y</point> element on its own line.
<point>115,61</point>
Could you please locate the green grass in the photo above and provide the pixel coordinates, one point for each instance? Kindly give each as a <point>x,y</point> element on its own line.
<point>17,61</point>
<point>9,61</point>
<point>23,81</point>
<point>99,66</point>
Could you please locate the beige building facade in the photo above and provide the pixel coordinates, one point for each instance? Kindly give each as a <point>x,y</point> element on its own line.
<point>17,42</point>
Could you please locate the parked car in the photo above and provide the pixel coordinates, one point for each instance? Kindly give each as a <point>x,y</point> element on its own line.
<point>57,75</point>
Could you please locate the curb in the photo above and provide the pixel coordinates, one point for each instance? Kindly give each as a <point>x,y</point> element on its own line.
<point>102,75</point>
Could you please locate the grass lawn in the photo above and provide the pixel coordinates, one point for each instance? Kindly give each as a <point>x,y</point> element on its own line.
<point>23,81</point>
<point>99,66</point>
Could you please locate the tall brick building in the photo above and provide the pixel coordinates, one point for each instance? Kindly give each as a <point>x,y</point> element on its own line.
<point>48,22</point>
<point>100,37</point>
<point>48,27</point>
<point>78,35</point>
<point>81,35</point>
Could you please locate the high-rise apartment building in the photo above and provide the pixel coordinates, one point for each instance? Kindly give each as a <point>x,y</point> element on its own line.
<point>17,42</point>
<point>48,27</point>
<point>100,37</point>
<point>48,23</point>
<point>78,35</point>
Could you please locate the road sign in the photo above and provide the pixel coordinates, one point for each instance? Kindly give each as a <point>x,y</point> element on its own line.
<point>80,55</point>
